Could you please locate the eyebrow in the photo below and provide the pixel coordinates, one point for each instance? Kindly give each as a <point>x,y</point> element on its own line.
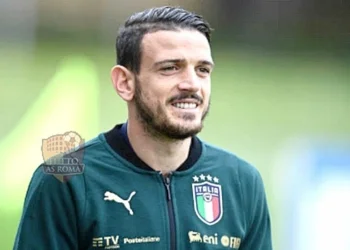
<point>205,62</point>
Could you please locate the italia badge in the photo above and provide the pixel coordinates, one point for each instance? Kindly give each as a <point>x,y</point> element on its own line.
<point>207,198</point>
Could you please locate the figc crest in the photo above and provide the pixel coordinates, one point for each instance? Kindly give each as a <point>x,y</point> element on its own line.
<point>207,199</point>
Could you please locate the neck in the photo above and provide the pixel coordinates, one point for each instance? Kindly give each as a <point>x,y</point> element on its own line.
<point>162,155</point>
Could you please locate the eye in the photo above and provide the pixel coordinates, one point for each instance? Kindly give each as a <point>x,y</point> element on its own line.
<point>169,68</point>
<point>204,70</point>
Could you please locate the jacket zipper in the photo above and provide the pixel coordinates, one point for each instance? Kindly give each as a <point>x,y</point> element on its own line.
<point>171,215</point>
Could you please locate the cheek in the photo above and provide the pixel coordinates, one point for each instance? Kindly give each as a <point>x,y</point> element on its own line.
<point>206,90</point>
<point>155,89</point>
<point>153,98</point>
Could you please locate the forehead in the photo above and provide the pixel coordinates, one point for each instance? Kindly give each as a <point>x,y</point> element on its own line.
<point>187,44</point>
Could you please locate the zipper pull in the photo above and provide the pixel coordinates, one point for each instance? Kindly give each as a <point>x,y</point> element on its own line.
<point>166,180</point>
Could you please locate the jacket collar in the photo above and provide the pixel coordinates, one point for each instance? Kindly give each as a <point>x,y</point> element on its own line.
<point>118,140</point>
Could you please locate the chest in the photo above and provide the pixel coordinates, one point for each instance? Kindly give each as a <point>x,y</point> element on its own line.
<point>155,213</point>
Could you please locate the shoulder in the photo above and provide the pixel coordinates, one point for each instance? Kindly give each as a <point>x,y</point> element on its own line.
<point>49,171</point>
<point>89,152</point>
<point>229,161</point>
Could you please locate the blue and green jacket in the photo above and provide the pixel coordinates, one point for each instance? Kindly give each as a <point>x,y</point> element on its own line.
<point>214,200</point>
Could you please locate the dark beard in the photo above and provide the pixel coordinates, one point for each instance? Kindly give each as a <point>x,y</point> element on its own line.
<point>156,123</point>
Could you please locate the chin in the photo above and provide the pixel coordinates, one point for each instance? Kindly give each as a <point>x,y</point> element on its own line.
<point>187,122</point>
<point>182,133</point>
<point>182,127</point>
<point>190,126</point>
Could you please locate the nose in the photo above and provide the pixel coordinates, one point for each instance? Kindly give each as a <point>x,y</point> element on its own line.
<point>190,82</point>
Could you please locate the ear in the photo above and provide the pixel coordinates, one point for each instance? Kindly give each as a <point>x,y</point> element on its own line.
<point>123,82</point>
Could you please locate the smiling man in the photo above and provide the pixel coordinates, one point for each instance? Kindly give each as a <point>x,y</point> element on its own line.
<point>172,87</point>
<point>151,183</point>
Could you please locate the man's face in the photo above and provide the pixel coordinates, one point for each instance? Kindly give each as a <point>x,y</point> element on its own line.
<point>172,92</point>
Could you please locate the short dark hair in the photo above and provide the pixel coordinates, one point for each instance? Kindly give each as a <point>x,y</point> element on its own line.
<point>128,42</point>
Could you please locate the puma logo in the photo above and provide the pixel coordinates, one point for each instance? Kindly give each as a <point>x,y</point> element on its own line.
<point>109,196</point>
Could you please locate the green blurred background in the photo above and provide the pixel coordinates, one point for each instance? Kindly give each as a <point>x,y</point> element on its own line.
<point>281,82</point>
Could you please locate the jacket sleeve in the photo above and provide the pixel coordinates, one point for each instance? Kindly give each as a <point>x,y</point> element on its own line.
<point>258,236</point>
<point>49,217</point>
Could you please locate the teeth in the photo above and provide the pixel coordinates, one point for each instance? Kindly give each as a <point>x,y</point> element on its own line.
<point>183,105</point>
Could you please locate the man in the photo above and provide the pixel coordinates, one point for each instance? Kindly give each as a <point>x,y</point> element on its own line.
<point>151,183</point>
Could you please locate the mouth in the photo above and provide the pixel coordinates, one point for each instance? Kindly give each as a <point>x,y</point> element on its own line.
<point>186,104</point>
